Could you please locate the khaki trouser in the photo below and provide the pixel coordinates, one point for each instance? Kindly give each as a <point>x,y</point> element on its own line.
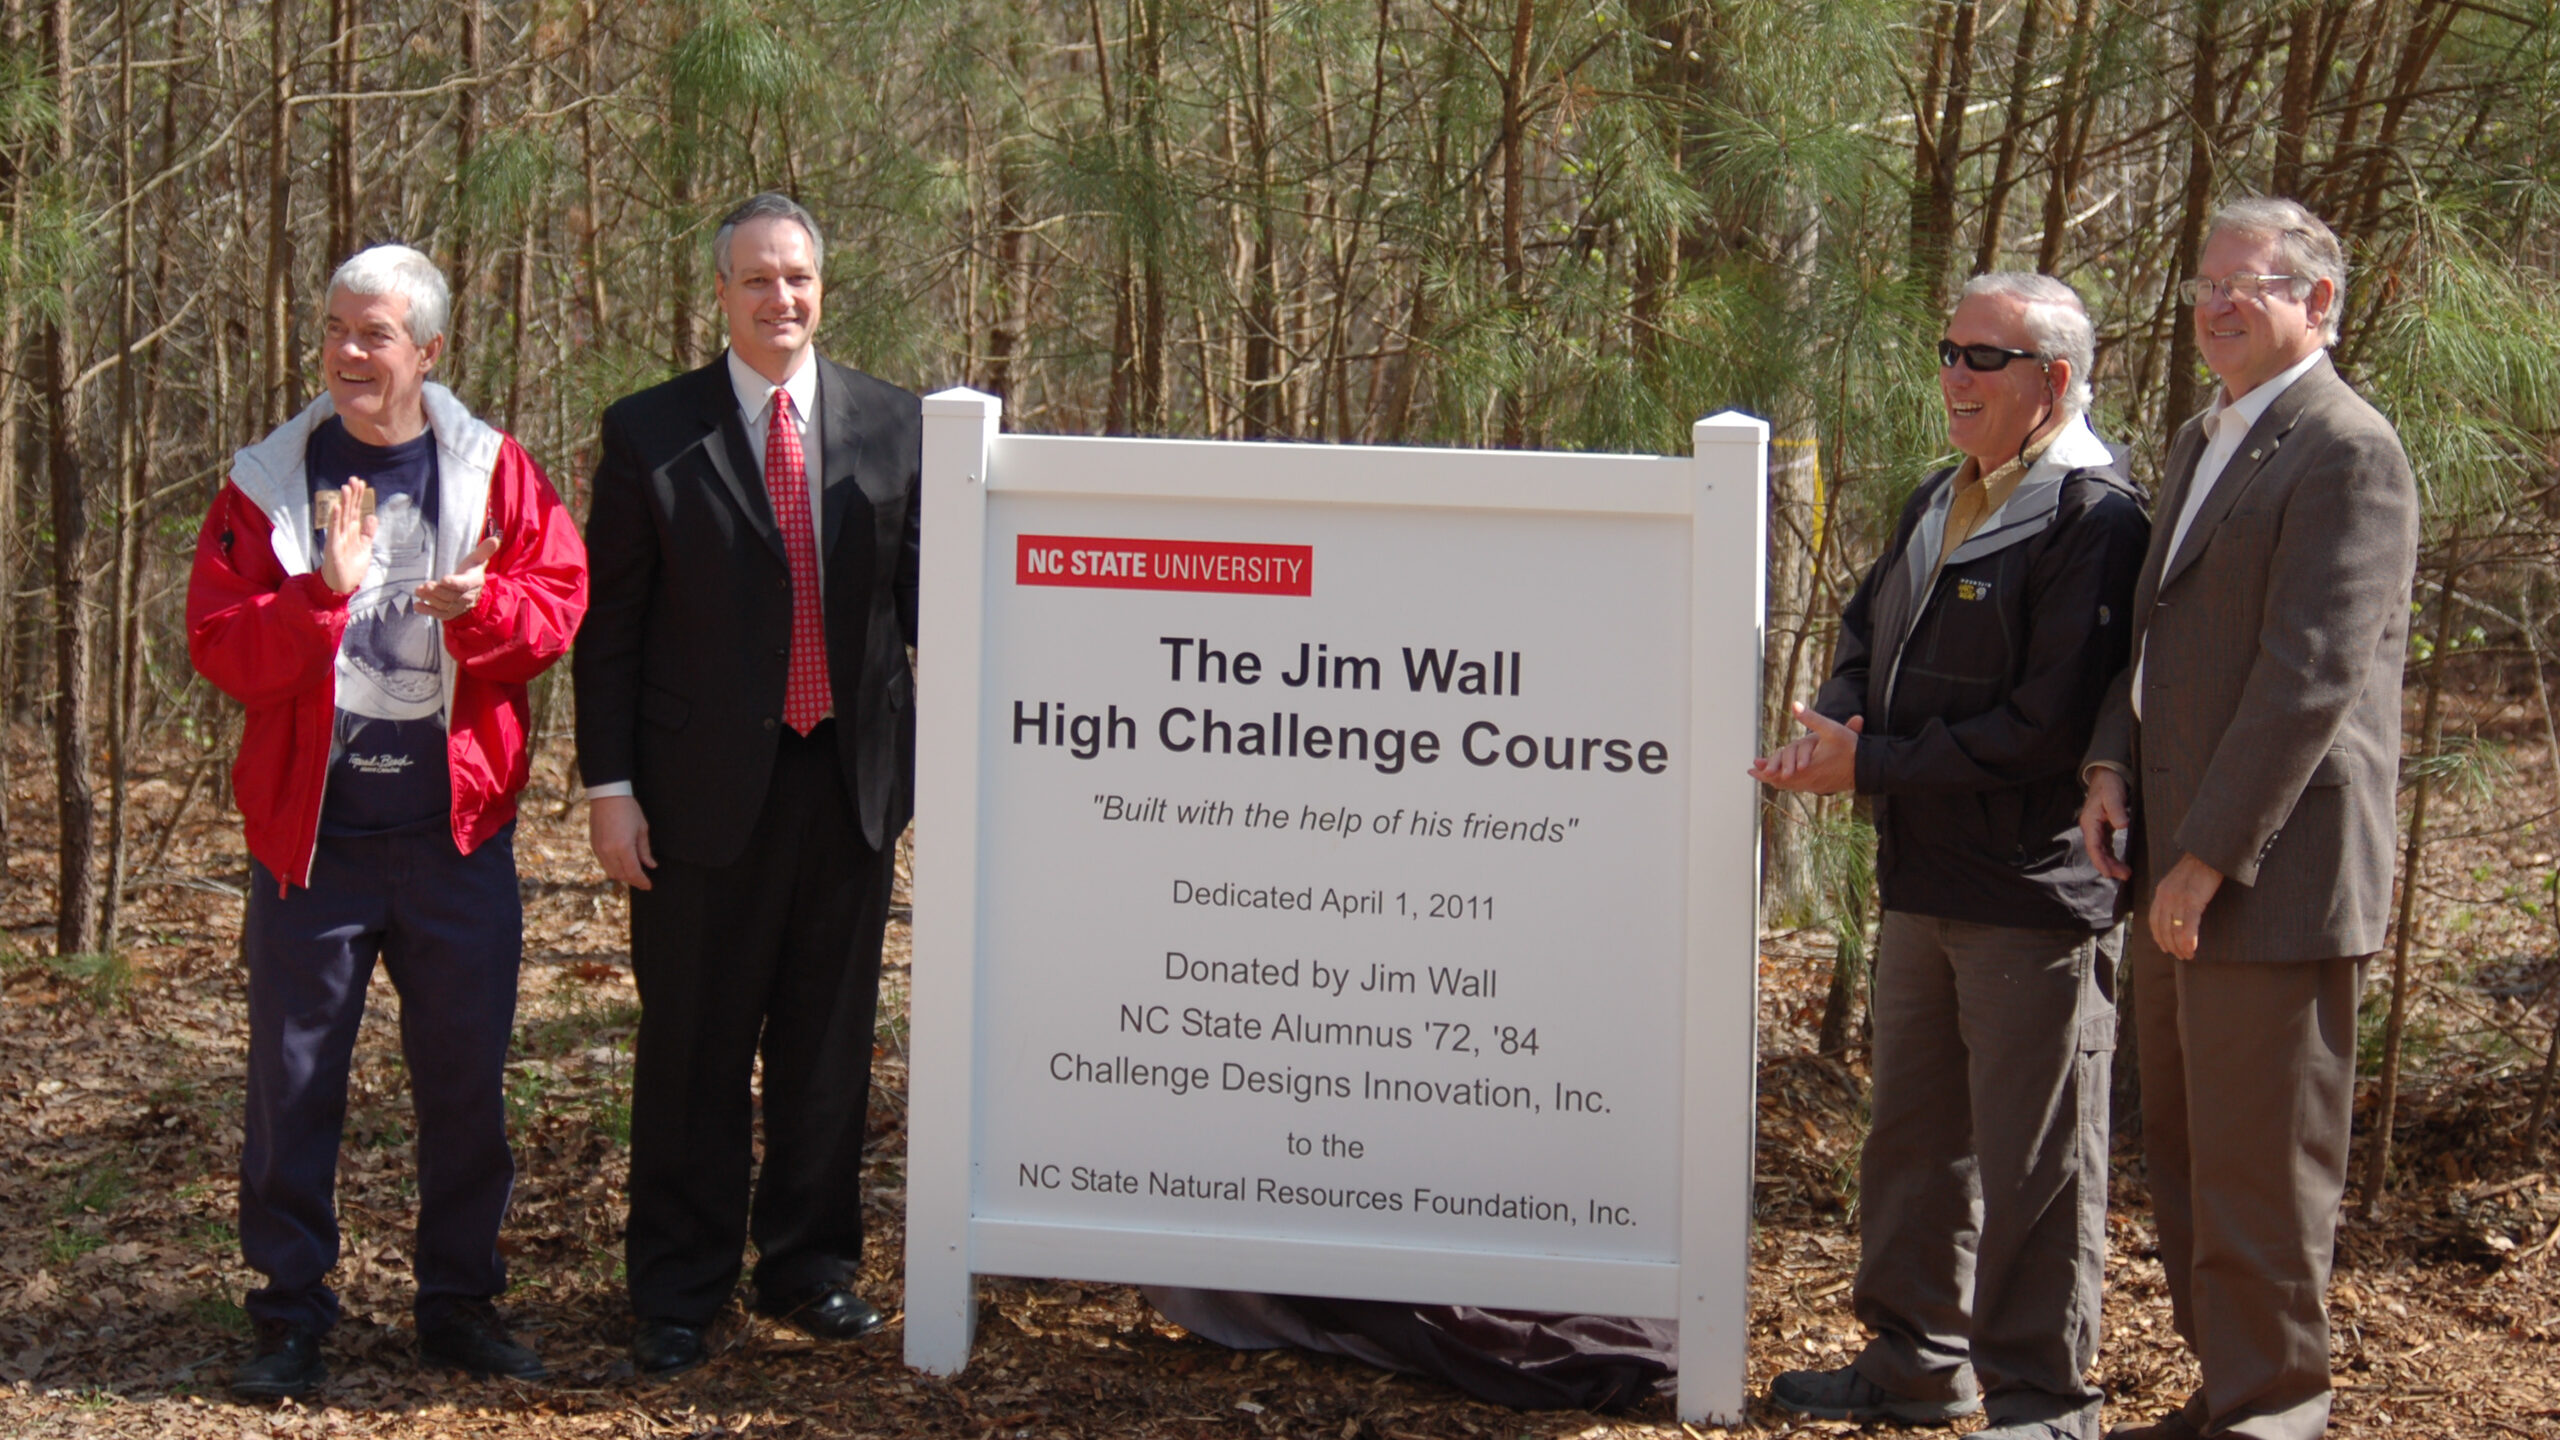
<point>1983,1186</point>
<point>2248,1088</point>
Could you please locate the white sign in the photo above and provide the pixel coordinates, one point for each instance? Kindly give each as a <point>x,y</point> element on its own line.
<point>1336,875</point>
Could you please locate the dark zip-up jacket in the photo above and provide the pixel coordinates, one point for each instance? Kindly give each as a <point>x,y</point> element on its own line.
<point>1980,694</point>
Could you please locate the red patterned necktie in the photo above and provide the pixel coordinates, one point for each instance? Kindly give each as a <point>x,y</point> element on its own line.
<point>807,700</point>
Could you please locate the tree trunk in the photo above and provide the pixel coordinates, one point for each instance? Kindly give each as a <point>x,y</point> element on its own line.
<point>1515,184</point>
<point>1849,967</point>
<point>2293,106</point>
<point>1346,248</point>
<point>277,398</point>
<point>1797,535</point>
<point>591,223</point>
<point>124,604</point>
<point>344,234</point>
<point>1924,129</point>
<point>1788,677</point>
<point>1146,94</point>
<point>466,141</point>
<point>2182,396</point>
<point>2013,127</point>
<point>12,366</point>
<point>1408,364</point>
<point>2342,150</point>
<point>520,308</point>
<point>2550,757</point>
<point>1937,156</point>
<point>520,292</point>
<point>972,228</point>
<point>2542,1087</point>
<point>2377,1170</point>
<point>1121,401</point>
<point>1118,399</point>
<point>1010,323</point>
<point>75,911</point>
<point>2070,138</point>
<point>75,915</point>
<point>1262,313</point>
<point>2428,26</point>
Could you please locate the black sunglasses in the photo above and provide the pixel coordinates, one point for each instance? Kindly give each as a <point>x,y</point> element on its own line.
<point>1981,359</point>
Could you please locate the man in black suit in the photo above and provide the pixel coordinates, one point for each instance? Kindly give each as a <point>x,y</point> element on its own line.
<point>746,732</point>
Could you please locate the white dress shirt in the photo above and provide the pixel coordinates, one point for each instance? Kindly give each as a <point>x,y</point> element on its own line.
<point>755,406</point>
<point>2227,425</point>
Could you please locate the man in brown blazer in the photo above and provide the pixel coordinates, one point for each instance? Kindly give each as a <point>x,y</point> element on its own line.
<point>2250,756</point>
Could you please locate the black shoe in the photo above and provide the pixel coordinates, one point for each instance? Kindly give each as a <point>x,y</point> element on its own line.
<point>829,1312</point>
<point>665,1348</point>
<point>1844,1394</point>
<point>468,1335</point>
<point>285,1366</point>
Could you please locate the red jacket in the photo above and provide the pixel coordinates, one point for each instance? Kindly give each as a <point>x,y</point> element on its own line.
<point>264,627</point>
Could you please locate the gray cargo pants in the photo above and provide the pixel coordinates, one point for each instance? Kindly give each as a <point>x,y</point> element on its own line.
<point>1983,1186</point>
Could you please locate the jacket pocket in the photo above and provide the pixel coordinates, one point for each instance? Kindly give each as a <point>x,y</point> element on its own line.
<point>664,708</point>
<point>2333,770</point>
<point>1956,663</point>
<point>2004,822</point>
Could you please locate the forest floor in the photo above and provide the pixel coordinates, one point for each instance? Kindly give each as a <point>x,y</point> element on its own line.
<point>120,1273</point>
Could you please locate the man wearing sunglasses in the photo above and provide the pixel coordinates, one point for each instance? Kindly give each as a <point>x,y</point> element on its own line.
<point>2253,752</point>
<point>1970,668</point>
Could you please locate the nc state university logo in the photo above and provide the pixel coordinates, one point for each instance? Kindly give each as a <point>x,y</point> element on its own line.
<point>1228,567</point>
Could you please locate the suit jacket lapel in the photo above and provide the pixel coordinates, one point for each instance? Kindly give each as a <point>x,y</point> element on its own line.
<point>2257,448</point>
<point>836,431</point>
<point>2184,451</point>
<point>732,458</point>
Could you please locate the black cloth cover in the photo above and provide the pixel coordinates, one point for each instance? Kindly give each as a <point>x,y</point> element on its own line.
<point>1517,1358</point>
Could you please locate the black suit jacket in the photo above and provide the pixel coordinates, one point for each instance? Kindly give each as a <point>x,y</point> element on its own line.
<point>682,660</point>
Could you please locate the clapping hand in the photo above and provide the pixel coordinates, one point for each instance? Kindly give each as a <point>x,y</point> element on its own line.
<point>454,596</point>
<point>1822,762</point>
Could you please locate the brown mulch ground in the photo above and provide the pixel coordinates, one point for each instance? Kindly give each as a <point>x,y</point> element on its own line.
<point>120,1274</point>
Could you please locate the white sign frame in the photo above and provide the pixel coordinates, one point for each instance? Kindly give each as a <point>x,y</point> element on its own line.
<point>1721,489</point>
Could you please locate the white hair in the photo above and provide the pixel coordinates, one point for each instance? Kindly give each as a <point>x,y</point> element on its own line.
<point>2310,249</point>
<point>2057,323</point>
<point>399,270</point>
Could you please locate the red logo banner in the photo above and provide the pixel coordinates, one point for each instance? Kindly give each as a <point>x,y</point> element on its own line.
<point>1231,567</point>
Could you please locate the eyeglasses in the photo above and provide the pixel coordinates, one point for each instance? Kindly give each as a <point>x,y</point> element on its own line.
<point>1981,359</point>
<point>2243,286</point>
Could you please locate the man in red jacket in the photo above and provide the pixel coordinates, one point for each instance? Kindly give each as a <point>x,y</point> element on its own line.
<point>376,584</point>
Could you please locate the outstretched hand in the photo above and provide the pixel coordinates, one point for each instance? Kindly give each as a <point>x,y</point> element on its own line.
<point>1823,761</point>
<point>454,596</point>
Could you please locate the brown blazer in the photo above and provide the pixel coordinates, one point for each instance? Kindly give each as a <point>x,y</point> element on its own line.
<point>2269,745</point>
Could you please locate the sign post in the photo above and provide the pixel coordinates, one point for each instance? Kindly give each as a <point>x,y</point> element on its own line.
<point>1336,876</point>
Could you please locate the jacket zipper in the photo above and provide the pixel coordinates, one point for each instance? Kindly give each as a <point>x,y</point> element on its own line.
<point>1893,677</point>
